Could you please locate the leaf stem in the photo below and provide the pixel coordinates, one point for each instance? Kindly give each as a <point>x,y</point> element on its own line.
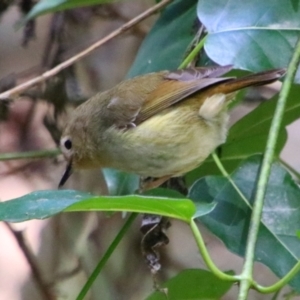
<point>290,169</point>
<point>275,296</point>
<point>30,154</point>
<point>264,175</point>
<point>106,256</point>
<point>193,54</point>
<point>207,259</point>
<point>225,174</point>
<point>280,283</point>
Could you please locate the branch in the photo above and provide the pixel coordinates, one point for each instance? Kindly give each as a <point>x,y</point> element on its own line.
<point>16,90</point>
<point>36,273</point>
<point>30,154</point>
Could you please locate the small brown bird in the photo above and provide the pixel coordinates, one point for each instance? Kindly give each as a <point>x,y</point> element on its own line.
<point>160,125</point>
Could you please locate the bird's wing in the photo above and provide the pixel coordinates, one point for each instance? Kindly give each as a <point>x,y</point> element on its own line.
<point>176,87</point>
<point>145,96</point>
<point>183,83</point>
<point>138,99</point>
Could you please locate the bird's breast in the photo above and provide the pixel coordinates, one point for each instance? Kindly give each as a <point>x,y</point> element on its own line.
<point>170,143</point>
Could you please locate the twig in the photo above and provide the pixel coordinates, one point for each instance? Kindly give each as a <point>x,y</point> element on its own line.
<point>36,273</point>
<point>113,13</point>
<point>66,275</point>
<point>30,154</point>
<point>16,90</point>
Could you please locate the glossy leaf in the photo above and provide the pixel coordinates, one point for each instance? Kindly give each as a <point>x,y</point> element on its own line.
<point>165,45</point>
<point>252,35</point>
<point>202,208</point>
<point>193,284</point>
<point>39,205</point>
<point>182,209</point>
<point>278,246</point>
<point>248,136</point>
<point>50,6</point>
<point>120,183</point>
<point>44,204</point>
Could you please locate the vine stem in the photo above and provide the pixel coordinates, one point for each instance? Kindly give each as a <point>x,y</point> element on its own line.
<point>226,175</point>
<point>280,283</point>
<point>246,275</point>
<point>206,257</point>
<point>106,256</point>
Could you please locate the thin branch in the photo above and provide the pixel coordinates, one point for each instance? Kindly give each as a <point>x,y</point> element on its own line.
<point>36,273</point>
<point>16,90</point>
<point>30,154</point>
<point>65,275</point>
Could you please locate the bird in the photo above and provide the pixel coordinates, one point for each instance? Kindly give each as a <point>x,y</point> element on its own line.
<point>159,125</point>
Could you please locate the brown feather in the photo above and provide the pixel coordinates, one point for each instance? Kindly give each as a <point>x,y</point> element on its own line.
<point>170,92</point>
<point>179,86</point>
<point>261,78</point>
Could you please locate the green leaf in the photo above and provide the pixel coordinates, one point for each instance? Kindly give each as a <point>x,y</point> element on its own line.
<point>165,45</point>
<point>39,205</point>
<point>278,246</point>
<point>120,183</point>
<point>252,35</point>
<point>44,204</point>
<point>50,6</point>
<point>248,136</point>
<point>193,284</point>
<point>202,208</point>
<point>182,209</point>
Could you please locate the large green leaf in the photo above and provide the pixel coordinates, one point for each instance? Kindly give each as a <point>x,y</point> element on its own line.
<point>44,204</point>
<point>164,47</point>
<point>182,209</point>
<point>49,6</point>
<point>39,205</point>
<point>248,136</point>
<point>278,246</point>
<point>193,284</point>
<point>252,35</point>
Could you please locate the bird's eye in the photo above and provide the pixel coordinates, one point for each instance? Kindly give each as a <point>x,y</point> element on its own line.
<point>68,144</point>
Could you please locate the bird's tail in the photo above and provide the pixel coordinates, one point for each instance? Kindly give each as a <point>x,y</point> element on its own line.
<point>256,79</point>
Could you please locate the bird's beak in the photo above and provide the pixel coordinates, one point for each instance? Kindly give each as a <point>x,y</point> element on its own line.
<point>66,175</point>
